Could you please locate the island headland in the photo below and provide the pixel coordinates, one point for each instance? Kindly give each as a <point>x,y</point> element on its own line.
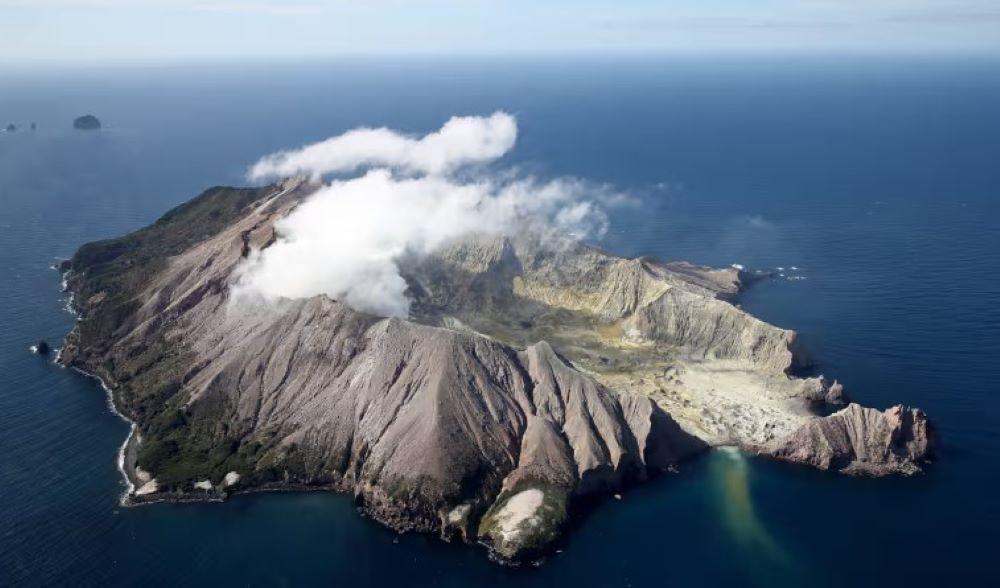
<point>527,376</point>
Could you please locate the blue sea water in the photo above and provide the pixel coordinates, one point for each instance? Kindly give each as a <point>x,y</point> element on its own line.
<point>878,179</point>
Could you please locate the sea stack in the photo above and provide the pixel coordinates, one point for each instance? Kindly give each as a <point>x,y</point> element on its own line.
<point>11,128</point>
<point>87,122</point>
<point>42,347</point>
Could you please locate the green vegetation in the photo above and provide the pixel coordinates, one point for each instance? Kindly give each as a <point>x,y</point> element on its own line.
<point>180,452</point>
<point>118,267</point>
<point>107,278</point>
<point>537,532</point>
<point>112,272</point>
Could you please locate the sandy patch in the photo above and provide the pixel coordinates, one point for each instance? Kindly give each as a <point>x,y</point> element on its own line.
<point>459,513</point>
<point>149,487</point>
<point>520,508</point>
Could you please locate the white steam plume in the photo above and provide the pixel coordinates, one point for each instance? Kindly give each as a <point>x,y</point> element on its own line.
<point>346,240</point>
<point>461,141</point>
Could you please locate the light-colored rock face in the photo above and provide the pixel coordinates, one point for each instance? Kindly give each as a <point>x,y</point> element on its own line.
<point>148,488</point>
<point>518,522</point>
<point>519,514</point>
<point>669,332</point>
<point>459,514</point>
<point>665,331</point>
<point>527,375</point>
<point>860,441</point>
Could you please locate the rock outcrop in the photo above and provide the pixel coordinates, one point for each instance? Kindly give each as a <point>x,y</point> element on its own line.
<point>527,376</point>
<point>87,122</point>
<point>861,441</point>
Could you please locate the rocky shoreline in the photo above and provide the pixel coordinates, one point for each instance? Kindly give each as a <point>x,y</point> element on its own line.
<point>127,457</point>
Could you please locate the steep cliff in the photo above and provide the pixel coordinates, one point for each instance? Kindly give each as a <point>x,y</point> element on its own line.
<point>861,441</point>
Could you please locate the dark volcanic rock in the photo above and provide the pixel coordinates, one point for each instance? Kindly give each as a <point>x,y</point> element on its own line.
<point>42,348</point>
<point>11,128</point>
<point>87,122</point>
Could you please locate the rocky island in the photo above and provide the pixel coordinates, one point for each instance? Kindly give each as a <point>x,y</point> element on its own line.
<point>526,375</point>
<point>87,122</point>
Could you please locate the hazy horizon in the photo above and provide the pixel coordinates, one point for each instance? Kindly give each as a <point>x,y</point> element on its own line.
<point>829,61</point>
<point>184,31</point>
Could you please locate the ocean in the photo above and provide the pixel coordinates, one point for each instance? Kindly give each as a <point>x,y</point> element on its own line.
<point>877,179</point>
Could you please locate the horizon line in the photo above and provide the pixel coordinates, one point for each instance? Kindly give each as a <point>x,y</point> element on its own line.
<point>569,54</point>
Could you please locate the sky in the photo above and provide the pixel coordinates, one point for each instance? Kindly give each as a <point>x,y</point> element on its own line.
<point>185,30</point>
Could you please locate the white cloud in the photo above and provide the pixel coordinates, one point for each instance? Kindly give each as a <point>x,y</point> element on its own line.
<point>461,141</point>
<point>347,240</point>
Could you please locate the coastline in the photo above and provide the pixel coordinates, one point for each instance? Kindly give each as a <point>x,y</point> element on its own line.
<point>128,445</point>
<point>126,460</point>
<point>127,449</point>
